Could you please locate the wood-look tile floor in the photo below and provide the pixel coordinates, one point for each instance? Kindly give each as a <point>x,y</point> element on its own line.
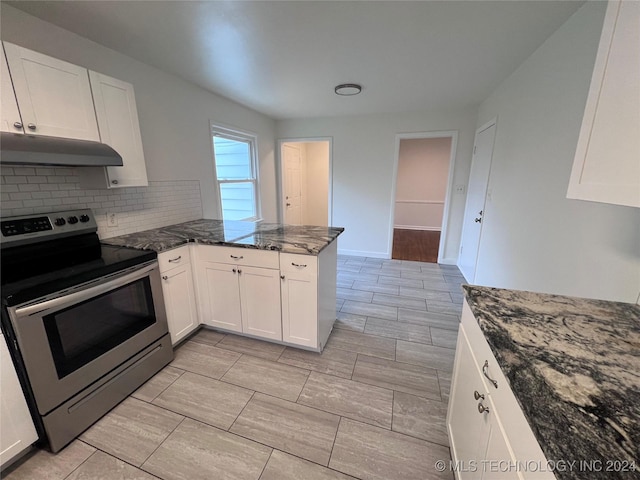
<point>371,406</point>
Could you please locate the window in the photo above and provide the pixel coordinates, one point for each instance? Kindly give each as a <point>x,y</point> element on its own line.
<point>236,171</point>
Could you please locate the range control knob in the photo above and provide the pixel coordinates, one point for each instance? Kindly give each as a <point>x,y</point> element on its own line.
<point>60,221</point>
<point>73,219</point>
<point>84,218</point>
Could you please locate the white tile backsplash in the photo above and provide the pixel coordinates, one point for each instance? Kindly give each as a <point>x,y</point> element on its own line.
<point>33,190</point>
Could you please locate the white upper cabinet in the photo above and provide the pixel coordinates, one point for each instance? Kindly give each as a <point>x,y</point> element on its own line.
<point>10,120</point>
<point>607,163</point>
<point>54,96</point>
<point>115,106</point>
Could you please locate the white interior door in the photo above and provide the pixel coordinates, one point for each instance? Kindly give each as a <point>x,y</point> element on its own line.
<point>292,185</point>
<point>476,197</point>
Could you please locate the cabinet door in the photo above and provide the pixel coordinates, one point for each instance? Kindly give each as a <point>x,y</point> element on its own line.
<point>498,459</point>
<point>467,426</point>
<point>180,302</point>
<point>260,296</point>
<point>54,96</point>
<point>10,120</point>
<point>300,308</point>
<point>220,296</point>
<point>607,166</point>
<point>17,432</point>
<point>115,106</point>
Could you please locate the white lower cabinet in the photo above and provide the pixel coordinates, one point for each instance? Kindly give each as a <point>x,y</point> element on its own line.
<point>289,298</point>
<point>239,297</point>
<point>260,302</point>
<point>219,296</point>
<point>17,432</point>
<point>489,435</point>
<point>299,300</point>
<point>179,292</point>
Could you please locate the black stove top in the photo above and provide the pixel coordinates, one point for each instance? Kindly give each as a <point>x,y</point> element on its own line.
<point>49,258</point>
<point>112,259</point>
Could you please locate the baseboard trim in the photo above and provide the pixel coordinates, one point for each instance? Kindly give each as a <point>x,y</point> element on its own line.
<point>362,253</point>
<point>413,227</point>
<point>449,261</point>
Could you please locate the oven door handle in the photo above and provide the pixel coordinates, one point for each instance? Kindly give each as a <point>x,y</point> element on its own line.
<point>84,293</point>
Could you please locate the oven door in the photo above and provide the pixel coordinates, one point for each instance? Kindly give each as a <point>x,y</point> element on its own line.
<point>71,339</point>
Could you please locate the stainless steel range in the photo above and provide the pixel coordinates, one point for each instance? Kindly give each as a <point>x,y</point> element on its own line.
<point>85,322</point>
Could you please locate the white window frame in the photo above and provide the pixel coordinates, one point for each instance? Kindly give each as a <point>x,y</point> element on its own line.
<point>242,136</point>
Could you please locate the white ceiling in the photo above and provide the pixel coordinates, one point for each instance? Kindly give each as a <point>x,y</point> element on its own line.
<point>284,58</point>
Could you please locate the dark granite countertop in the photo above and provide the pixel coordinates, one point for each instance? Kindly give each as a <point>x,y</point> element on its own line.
<point>303,239</point>
<point>574,366</point>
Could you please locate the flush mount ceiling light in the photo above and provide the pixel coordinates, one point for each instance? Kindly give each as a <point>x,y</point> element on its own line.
<point>348,89</point>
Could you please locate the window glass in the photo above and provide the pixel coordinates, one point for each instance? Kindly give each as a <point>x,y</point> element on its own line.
<point>236,172</point>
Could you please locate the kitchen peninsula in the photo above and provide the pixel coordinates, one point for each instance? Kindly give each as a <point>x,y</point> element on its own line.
<point>269,281</point>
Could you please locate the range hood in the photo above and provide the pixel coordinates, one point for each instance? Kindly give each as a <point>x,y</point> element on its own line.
<point>18,149</point>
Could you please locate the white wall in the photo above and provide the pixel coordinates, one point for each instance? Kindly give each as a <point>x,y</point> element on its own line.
<point>363,172</point>
<point>421,185</point>
<point>533,237</point>
<point>174,115</point>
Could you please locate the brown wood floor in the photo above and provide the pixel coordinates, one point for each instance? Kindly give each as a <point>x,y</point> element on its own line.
<point>417,245</point>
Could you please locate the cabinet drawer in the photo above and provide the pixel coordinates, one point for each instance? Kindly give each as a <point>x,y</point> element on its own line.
<point>174,258</point>
<point>290,262</point>
<point>239,256</point>
<point>482,353</point>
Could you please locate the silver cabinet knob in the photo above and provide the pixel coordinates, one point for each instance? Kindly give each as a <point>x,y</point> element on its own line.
<point>115,182</point>
<point>477,395</point>
<point>31,126</point>
<point>282,277</point>
<point>482,408</point>
<point>18,125</point>
<point>164,277</point>
<point>234,270</point>
<point>239,271</point>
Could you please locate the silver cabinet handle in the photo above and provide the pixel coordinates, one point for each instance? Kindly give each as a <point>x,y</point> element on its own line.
<point>485,369</point>
<point>32,126</point>
<point>236,258</point>
<point>298,265</point>
<point>477,395</point>
<point>177,259</point>
<point>18,125</point>
<point>482,408</point>
<point>115,182</point>
<point>164,277</point>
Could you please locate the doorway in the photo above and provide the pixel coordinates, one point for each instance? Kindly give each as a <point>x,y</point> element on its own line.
<point>424,172</point>
<point>305,181</point>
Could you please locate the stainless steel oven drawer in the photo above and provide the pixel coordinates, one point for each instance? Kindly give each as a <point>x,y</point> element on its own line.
<point>74,416</point>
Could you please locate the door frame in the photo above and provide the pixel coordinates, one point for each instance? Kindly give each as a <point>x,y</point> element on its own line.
<point>280,174</point>
<point>453,134</point>
<point>485,126</point>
